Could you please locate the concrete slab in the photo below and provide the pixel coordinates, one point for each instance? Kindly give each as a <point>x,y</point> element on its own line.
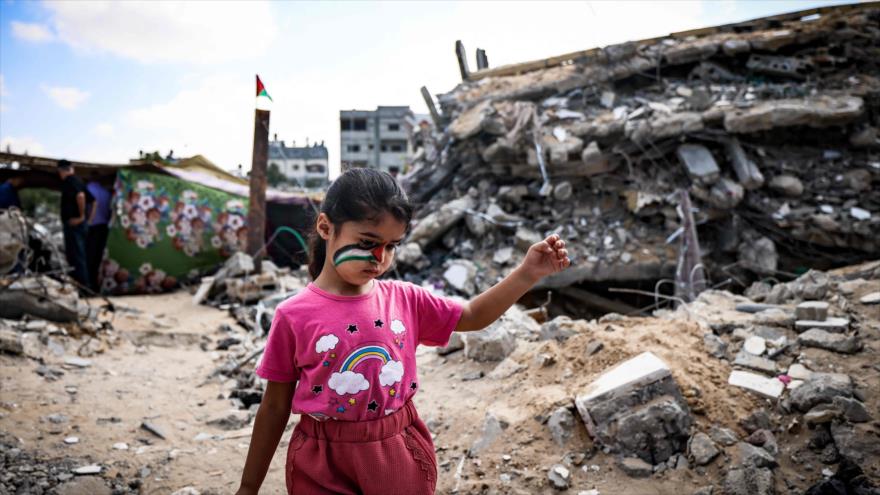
<point>812,310</point>
<point>642,369</point>
<point>761,385</point>
<point>832,324</point>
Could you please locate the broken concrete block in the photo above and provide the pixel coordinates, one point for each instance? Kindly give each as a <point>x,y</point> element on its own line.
<point>559,476</point>
<point>233,419</point>
<point>788,185</point>
<point>502,256</point>
<point>524,238</point>
<point>812,310</point>
<point>460,275</point>
<point>747,173</point>
<point>837,342</point>
<point>747,360</point>
<point>636,409</point>
<point>819,389</point>
<point>493,426</point>
<point>832,324</point>
<point>561,328</point>
<point>699,162</point>
<point>872,298</point>
<point>435,225</point>
<point>821,111</point>
<point>725,194</point>
<point>408,254</point>
<point>856,442</point>
<point>761,385</point>
<point>714,345</point>
<point>492,344</point>
<point>724,436</point>
<point>471,121</point>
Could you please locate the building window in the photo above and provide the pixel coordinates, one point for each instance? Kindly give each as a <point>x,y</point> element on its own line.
<point>315,168</point>
<point>371,146</point>
<point>296,167</point>
<point>397,147</point>
<point>353,124</point>
<point>384,148</point>
<point>353,148</point>
<point>393,127</point>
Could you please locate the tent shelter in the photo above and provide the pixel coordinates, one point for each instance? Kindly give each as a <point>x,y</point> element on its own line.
<point>173,220</point>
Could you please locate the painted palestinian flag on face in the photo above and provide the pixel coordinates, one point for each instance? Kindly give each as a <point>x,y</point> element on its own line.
<point>354,252</point>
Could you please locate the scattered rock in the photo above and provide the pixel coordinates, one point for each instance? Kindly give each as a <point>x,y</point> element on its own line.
<point>857,442</point>
<point>714,345</point>
<point>853,410</point>
<point>724,436</point>
<point>77,362</point>
<point>492,428</point>
<point>85,470</point>
<point>559,476</point>
<point>799,372</point>
<point>834,325</point>
<point>456,343</point>
<point>635,467</point>
<point>765,440</point>
<point>749,455</point>
<point>821,388</point>
<point>701,449</point>
<point>872,298</point>
<point>755,345</point>
<point>150,427</point>
<point>233,419</point>
<point>788,185</point>
<point>757,420</point>
<point>84,485</point>
<point>492,344</point>
<point>594,346</point>
<point>749,480</point>
<point>561,425</point>
<point>821,414</point>
<point>751,361</point>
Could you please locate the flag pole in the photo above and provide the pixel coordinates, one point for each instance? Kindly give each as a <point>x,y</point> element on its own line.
<point>257,209</point>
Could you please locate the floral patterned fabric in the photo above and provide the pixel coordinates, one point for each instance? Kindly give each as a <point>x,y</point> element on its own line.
<point>164,229</point>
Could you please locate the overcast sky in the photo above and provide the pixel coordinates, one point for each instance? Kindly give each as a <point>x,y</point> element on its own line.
<point>97,81</point>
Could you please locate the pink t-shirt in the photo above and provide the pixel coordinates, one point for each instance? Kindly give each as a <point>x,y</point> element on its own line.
<point>355,356</point>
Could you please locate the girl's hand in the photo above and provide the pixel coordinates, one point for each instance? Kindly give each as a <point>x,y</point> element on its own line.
<point>545,257</point>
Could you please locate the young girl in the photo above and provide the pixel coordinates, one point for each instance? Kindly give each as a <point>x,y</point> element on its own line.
<point>342,352</point>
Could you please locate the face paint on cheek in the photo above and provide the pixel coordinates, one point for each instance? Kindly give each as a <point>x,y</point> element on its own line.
<point>352,252</point>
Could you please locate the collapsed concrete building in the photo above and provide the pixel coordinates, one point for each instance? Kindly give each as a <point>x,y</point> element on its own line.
<point>770,126</point>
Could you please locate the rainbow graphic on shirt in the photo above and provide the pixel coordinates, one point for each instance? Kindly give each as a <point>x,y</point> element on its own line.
<point>365,354</point>
<point>347,381</point>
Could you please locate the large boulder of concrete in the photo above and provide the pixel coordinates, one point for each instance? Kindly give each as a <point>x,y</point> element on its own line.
<point>492,344</point>
<point>636,409</point>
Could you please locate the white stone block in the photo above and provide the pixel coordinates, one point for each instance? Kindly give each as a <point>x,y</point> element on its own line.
<point>642,369</point>
<point>832,324</point>
<point>761,385</point>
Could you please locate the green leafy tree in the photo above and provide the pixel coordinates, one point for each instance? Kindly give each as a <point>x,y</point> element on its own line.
<point>274,176</point>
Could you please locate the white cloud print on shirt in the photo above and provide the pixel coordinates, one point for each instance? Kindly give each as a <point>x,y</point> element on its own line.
<point>326,343</point>
<point>349,381</point>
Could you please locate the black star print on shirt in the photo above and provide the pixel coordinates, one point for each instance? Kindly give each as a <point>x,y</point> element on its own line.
<point>373,405</point>
<point>413,385</point>
<point>317,389</point>
<point>378,323</point>
<point>352,328</point>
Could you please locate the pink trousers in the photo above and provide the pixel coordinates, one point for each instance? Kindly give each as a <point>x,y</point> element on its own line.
<point>391,455</point>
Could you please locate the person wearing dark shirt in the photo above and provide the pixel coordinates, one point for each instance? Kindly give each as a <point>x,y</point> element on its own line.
<point>9,192</point>
<point>96,238</point>
<point>75,202</point>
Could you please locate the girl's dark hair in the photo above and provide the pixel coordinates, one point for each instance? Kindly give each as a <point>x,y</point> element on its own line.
<point>358,194</point>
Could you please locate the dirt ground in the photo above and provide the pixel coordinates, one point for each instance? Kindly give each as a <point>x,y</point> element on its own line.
<point>154,370</point>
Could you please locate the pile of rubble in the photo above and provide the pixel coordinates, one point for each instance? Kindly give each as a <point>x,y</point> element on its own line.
<point>756,398</point>
<point>771,126</point>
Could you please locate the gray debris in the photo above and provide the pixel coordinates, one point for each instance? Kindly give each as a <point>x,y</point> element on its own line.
<point>847,344</point>
<point>872,298</point>
<point>561,425</point>
<point>853,409</point>
<point>724,436</point>
<point>702,449</point>
<point>635,467</point>
<point>714,345</point>
<point>836,325</point>
<point>559,476</point>
<point>812,310</point>
<point>749,480</point>
<point>750,455</point>
<point>758,363</point>
<point>492,428</point>
<point>232,419</point>
<point>456,343</point>
<point>699,162</point>
<point>821,388</point>
<point>155,430</point>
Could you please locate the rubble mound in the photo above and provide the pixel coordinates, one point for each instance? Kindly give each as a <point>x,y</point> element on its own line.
<point>769,125</point>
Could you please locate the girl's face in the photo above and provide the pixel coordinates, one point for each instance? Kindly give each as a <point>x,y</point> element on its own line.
<point>360,251</point>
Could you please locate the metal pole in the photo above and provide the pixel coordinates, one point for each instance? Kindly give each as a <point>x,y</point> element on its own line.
<point>257,207</point>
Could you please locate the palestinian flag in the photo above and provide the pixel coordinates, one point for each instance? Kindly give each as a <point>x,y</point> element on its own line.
<point>261,90</point>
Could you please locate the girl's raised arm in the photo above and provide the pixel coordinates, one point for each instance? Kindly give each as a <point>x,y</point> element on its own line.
<point>269,425</point>
<point>542,259</point>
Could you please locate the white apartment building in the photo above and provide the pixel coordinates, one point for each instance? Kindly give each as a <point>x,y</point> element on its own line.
<point>306,166</point>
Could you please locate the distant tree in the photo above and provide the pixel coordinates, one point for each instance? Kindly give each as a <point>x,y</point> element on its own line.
<point>274,176</point>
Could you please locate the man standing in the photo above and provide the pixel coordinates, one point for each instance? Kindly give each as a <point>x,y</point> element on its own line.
<point>96,239</point>
<point>9,193</point>
<point>74,205</point>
